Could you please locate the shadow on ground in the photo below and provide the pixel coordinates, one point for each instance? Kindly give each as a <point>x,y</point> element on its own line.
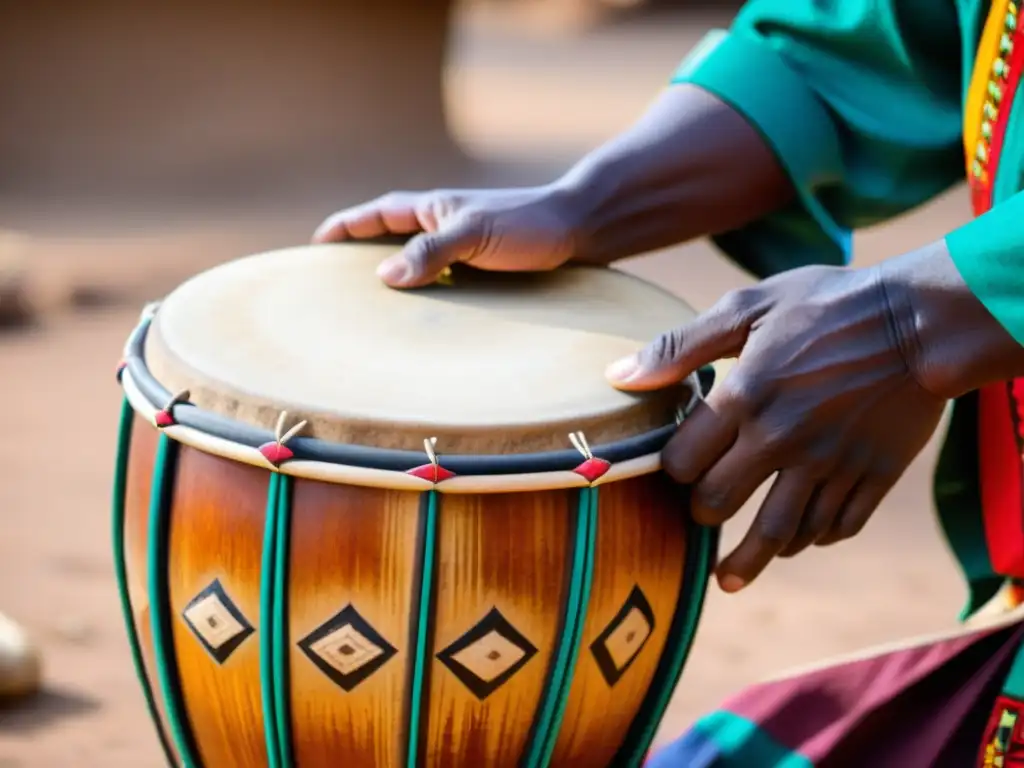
<point>45,710</point>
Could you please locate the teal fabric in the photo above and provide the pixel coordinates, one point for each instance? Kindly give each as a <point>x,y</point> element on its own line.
<point>807,232</point>
<point>740,743</point>
<point>861,101</point>
<point>989,252</point>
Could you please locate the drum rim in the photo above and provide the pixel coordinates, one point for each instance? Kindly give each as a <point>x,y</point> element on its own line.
<point>390,460</point>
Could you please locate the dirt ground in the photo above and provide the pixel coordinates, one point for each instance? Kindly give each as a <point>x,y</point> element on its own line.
<point>531,102</point>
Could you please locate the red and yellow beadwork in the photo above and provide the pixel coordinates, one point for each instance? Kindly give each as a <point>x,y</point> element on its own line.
<point>994,83</point>
<point>990,97</point>
<point>1002,744</point>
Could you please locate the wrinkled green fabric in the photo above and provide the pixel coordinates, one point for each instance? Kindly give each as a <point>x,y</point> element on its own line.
<point>862,102</point>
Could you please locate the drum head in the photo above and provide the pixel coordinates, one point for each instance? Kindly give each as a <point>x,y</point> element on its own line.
<point>491,363</point>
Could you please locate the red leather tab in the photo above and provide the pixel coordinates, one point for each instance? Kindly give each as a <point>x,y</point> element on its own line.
<point>431,472</point>
<point>593,468</point>
<point>164,419</point>
<point>276,453</point>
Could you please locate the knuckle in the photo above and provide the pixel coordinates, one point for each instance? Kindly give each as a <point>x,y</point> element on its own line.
<point>665,347</point>
<point>819,523</point>
<point>713,499</point>
<point>393,199</point>
<point>818,465</point>
<point>474,219</point>
<point>675,465</point>
<point>431,249</point>
<point>795,547</point>
<point>774,531</point>
<point>742,390</point>
<point>843,532</point>
<point>736,304</point>
<point>782,440</point>
<point>849,526</point>
<point>827,539</point>
<point>817,532</point>
<point>447,209</point>
<point>420,253</point>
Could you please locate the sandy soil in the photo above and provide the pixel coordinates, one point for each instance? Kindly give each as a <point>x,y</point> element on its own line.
<point>531,101</point>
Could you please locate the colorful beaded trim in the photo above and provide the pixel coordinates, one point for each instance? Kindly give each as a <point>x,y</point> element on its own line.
<point>994,83</point>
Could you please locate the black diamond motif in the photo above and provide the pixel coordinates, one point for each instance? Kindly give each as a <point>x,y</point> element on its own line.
<point>488,655</point>
<point>347,649</point>
<point>619,645</point>
<point>217,622</point>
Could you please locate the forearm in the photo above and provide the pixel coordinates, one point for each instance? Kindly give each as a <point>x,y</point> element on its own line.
<point>690,167</point>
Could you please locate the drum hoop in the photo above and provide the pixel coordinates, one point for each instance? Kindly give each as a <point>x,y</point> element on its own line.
<point>225,435</point>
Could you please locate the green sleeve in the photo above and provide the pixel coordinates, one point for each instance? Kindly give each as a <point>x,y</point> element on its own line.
<point>989,252</point>
<point>861,102</point>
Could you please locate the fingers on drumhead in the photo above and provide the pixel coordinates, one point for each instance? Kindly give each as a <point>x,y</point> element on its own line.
<point>394,213</point>
<point>664,362</point>
<point>716,334</point>
<point>427,255</point>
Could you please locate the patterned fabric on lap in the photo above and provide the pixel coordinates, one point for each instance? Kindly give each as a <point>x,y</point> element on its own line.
<point>926,704</point>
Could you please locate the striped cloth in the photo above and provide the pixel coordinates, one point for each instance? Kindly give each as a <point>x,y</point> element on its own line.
<point>927,704</point>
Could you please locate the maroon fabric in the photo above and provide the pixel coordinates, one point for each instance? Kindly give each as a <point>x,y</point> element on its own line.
<point>923,707</point>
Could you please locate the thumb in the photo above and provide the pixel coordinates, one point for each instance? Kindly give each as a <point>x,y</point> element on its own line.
<point>718,333</point>
<point>425,257</point>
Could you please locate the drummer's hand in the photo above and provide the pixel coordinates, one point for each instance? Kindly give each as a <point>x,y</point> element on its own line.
<point>513,230</point>
<point>835,388</point>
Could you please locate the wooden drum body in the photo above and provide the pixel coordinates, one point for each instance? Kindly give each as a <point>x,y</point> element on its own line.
<point>294,596</point>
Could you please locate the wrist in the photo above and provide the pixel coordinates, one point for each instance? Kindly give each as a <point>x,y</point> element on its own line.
<point>951,343</point>
<point>690,167</point>
<point>581,197</point>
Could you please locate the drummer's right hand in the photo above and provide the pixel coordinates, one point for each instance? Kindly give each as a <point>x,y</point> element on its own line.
<point>511,230</point>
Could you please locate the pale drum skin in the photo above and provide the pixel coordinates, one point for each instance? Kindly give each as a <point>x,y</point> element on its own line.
<point>357,545</point>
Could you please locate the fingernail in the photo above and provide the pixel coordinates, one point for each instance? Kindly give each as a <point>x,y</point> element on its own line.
<point>731,583</point>
<point>393,271</point>
<point>624,369</point>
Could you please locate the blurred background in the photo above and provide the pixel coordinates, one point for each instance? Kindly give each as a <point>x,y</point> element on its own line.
<point>142,142</point>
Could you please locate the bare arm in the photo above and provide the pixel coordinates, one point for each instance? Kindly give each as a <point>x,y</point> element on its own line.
<point>690,166</point>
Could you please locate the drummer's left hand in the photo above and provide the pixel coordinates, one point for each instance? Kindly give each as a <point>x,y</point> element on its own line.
<point>526,229</point>
<point>836,389</point>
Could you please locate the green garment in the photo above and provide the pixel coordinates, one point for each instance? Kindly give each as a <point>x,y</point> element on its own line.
<point>862,101</point>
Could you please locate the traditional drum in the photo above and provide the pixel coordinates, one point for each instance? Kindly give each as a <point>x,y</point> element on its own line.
<point>356,526</point>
